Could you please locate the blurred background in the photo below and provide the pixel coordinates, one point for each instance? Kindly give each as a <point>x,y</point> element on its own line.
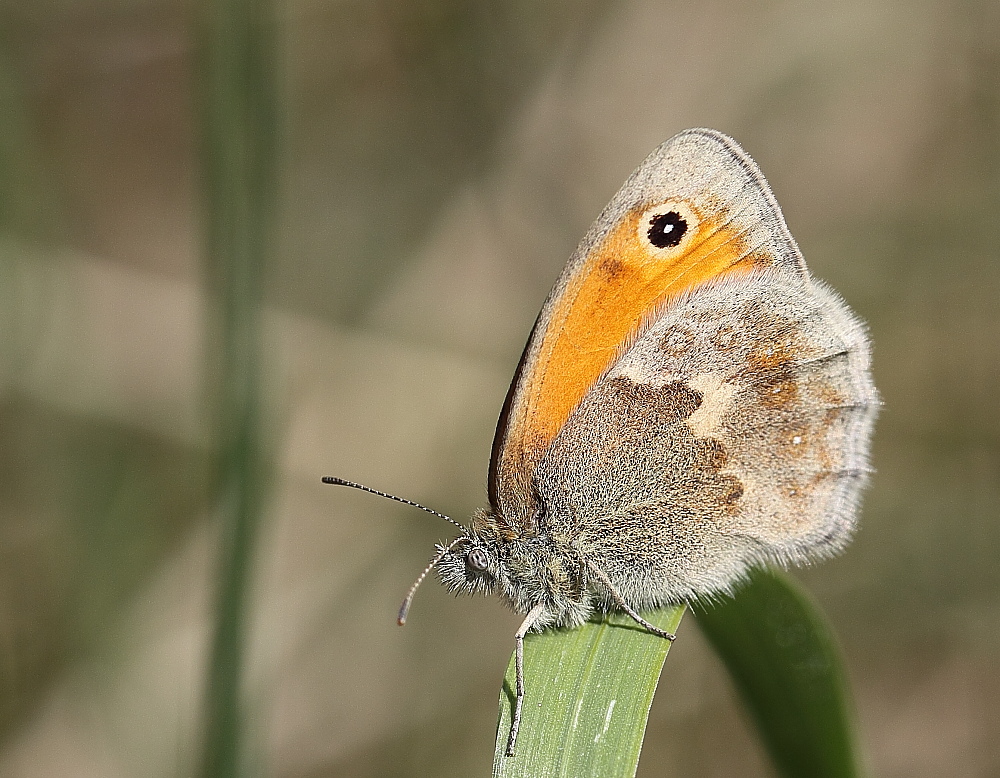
<point>440,159</point>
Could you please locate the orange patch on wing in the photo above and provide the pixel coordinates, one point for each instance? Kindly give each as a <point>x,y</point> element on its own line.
<point>618,285</point>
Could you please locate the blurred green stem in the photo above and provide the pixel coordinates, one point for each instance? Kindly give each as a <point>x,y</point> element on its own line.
<point>784,659</point>
<point>237,83</point>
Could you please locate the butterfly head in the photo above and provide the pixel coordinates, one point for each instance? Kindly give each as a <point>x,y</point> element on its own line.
<point>476,561</point>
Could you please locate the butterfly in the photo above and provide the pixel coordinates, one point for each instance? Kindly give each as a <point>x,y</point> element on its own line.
<point>690,403</point>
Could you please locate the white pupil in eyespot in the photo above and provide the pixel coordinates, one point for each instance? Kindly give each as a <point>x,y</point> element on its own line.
<point>666,230</point>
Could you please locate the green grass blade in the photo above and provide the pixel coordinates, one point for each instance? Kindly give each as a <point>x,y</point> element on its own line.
<point>784,660</point>
<point>239,127</point>
<point>587,697</point>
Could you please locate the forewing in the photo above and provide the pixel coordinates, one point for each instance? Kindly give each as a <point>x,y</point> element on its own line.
<point>731,224</point>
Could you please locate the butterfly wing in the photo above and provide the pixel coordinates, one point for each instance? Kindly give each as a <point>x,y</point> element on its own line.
<point>734,430</point>
<point>697,209</point>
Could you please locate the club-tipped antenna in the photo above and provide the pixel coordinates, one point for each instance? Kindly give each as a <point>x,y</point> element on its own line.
<point>404,609</point>
<point>329,479</point>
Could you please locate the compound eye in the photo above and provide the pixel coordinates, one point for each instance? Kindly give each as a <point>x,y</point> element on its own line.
<point>477,559</point>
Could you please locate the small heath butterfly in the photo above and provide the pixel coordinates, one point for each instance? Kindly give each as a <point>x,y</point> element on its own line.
<point>690,403</point>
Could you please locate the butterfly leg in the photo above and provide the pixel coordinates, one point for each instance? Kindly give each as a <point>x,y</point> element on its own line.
<point>603,578</point>
<point>526,625</point>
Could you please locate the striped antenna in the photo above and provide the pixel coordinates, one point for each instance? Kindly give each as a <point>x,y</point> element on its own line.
<point>329,479</point>
<point>404,609</point>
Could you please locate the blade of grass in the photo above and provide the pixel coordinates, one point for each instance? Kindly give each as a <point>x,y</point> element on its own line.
<point>237,80</point>
<point>785,662</point>
<point>587,697</point>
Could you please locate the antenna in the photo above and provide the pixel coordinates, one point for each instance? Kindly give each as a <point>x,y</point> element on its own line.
<point>404,609</point>
<point>329,479</point>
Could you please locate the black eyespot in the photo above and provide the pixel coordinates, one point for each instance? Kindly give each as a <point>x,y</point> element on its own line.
<point>666,229</point>
<point>477,559</point>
